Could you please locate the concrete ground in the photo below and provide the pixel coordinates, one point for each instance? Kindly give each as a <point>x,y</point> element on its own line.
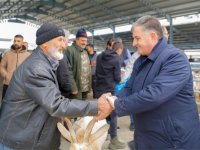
<point>124,134</point>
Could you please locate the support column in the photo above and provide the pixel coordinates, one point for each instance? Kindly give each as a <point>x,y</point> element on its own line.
<point>92,37</point>
<point>113,28</point>
<point>171,36</point>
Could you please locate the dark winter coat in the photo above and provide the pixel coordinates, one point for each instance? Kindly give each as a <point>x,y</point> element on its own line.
<point>33,105</point>
<point>160,95</point>
<point>65,77</point>
<point>107,72</point>
<point>73,54</point>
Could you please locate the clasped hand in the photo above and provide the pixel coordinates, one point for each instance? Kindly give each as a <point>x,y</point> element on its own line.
<point>105,106</point>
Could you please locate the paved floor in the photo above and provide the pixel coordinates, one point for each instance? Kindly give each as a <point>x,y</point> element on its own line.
<point>124,134</point>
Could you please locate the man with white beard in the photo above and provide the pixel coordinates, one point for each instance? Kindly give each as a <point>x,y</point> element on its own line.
<point>33,103</point>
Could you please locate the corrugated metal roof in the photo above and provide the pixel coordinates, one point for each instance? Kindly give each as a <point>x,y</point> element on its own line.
<point>93,14</point>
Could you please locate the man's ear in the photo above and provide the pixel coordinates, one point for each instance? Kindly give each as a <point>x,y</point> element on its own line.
<point>45,47</point>
<point>154,36</point>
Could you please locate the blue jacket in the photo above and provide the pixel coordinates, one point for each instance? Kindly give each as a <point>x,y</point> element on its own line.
<point>160,95</point>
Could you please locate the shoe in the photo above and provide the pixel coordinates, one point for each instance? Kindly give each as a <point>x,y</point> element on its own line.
<point>131,145</point>
<point>131,128</point>
<point>116,144</point>
<point>108,137</point>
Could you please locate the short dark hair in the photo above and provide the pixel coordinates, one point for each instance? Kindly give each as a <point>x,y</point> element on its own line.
<point>19,36</point>
<point>118,39</point>
<point>117,45</point>
<point>90,45</point>
<point>110,41</point>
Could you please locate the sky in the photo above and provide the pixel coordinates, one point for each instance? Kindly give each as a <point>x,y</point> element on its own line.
<point>9,30</point>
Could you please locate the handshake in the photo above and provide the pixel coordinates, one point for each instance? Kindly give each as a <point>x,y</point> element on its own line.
<point>105,105</point>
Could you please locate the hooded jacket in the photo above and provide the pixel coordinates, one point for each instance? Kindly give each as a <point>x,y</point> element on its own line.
<point>10,61</point>
<point>107,71</point>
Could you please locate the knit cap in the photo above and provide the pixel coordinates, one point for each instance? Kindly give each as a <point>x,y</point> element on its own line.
<point>47,32</point>
<point>81,33</point>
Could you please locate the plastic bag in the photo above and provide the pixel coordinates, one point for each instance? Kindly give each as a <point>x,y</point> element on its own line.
<point>120,86</point>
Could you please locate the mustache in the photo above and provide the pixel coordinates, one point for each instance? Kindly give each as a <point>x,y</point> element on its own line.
<point>16,45</point>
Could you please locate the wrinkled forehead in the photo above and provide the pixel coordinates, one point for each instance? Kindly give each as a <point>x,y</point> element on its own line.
<point>140,31</point>
<point>18,39</point>
<point>136,30</point>
<point>82,39</point>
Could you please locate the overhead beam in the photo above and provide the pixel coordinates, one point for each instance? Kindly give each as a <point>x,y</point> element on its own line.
<point>37,11</point>
<point>188,45</point>
<point>52,3</point>
<point>148,4</point>
<point>13,3</point>
<point>88,17</point>
<point>109,11</point>
<point>5,39</point>
<point>9,13</point>
<point>16,21</point>
<point>25,17</point>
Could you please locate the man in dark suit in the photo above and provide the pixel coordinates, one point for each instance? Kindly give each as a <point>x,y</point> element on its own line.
<point>159,93</point>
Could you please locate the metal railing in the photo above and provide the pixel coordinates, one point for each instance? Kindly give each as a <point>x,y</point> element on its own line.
<point>197,91</point>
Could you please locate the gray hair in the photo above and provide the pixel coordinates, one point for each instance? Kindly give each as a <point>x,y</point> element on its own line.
<point>165,32</point>
<point>149,23</point>
<point>118,39</point>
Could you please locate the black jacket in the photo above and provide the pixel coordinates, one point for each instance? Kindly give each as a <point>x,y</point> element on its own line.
<point>64,76</point>
<point>107,72</point>
<point>33,104</point>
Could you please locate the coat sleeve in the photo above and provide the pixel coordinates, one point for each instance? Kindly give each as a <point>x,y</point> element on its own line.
<point>70,58</point>
<point>40,86</point>
<point>173,75</point>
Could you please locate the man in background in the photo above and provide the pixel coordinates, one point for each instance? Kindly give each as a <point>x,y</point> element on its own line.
<point>25,44</point>
<point>165,33</point>
<point>107,75</point>
<point>12,59</point>
<point>80,63</point>
<point>92,56</point>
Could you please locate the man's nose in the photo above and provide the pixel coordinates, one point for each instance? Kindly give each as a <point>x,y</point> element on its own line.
<point>134,43</point>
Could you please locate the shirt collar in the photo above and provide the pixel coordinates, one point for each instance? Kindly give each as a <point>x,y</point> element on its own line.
<point>54,63</point>
<point>158,48</point>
